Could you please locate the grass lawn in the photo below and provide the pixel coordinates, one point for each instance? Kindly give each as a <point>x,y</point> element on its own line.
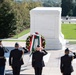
<point>21,34</point>
<point>69,31</point>
<point>14,40</point>
<point>17,36</point>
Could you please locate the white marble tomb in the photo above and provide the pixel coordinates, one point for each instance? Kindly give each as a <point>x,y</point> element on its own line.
<point>47,22</point>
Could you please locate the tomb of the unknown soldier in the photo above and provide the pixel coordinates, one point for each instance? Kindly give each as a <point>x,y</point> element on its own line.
<point>47,21</point>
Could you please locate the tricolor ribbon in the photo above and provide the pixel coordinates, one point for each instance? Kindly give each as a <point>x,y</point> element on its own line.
<point>36,40</point>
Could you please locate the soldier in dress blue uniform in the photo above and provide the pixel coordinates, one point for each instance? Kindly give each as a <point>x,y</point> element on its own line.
<point>37,60</point>
<point>16,60</point>
<point>3,50</point>
<point>66,63</point>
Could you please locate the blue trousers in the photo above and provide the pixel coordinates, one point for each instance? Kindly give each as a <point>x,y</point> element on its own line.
<point>38,70</point>
<point>16,70</point>
<point>2,69</point>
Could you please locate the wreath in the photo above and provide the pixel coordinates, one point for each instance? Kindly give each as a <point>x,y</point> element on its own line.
<point>29,40</point>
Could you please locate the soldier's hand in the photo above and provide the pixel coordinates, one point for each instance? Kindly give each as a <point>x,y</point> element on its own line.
<point>22,51</point>
<point>11,67</point>
<point>41,48</point>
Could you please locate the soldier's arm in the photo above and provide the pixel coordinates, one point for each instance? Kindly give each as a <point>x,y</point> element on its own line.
<point>61,65</point>
<point>10,59</point>
<point>45,52</point>
<point>25,50</point>
<point>22,52</point>
<point>74,55</point>
<point>5,50</point>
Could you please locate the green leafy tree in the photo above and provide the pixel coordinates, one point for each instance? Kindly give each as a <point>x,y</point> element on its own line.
<point>9,19</point>
<point>50,3</point>
<point>15,17</point>
<point>1,1</point>
<point>24,9</point>
<point>67,6</point>
<point>74,11</point>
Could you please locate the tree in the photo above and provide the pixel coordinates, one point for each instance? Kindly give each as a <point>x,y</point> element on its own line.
<point>67,6</point>
<point>14,17</point>
<point>51,4</point>
<point>1,1</point>
<point>8,19</point>
<point>24,9</point>
<point>74,11</point>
